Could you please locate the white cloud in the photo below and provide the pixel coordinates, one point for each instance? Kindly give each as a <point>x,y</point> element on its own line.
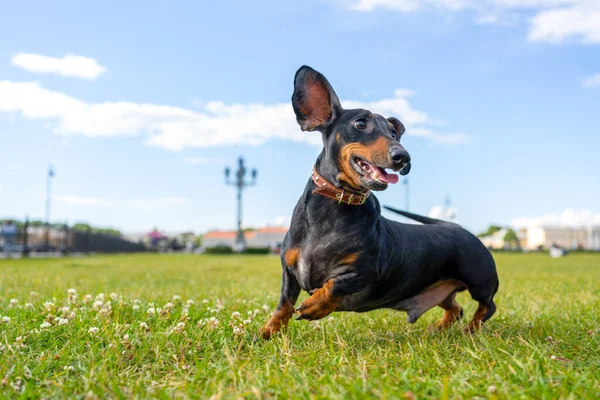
<point>282,221</point>
<point>69,66</point>
<point>567,218</point>
<point>582,20</point>
<point>175,128</point>
<point>591,81</point>
<point>404,93</point>
<point>75,200</point>
<point>553,21</point>
<point>147,205</point>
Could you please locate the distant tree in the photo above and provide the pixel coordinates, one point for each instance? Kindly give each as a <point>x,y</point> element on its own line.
<point>490,231</point>
<point>511,239</point>
<point>82,227</point>
<point>108,231</point>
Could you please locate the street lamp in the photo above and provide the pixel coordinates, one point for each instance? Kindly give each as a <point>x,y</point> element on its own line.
<point>407,194</point>
<point>240,184</point>
<point>48,197</point>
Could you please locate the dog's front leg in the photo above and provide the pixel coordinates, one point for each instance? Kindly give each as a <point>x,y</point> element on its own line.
<point>324,300</point>
<point>290,290</point>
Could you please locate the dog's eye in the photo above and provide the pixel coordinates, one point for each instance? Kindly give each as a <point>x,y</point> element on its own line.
<point>360,123</point>
<point>393,135</point>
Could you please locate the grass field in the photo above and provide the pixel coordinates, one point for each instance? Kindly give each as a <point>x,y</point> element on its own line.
<point>171,326</point>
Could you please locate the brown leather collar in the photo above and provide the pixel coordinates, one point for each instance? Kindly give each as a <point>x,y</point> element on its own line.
<point>326,189</point>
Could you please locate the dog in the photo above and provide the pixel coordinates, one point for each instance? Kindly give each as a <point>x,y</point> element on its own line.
<point>344,253</point>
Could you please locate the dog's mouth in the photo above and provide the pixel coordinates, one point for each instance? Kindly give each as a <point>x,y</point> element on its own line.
<point>372,172</point>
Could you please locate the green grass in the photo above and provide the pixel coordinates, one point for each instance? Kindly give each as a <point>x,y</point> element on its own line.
<point>542,343</point>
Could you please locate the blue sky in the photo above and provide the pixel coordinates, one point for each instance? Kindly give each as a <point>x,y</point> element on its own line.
<point>500,99</point>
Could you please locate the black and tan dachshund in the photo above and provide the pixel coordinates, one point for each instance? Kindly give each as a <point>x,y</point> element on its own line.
<point>346,255</point>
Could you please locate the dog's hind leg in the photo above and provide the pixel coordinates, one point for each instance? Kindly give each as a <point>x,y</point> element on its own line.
<point>452,312</point>
<point>486,307</point>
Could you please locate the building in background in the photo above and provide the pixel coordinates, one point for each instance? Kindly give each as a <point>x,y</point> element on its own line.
<point>263,238</point>
<point>567,238</point>
<point>495,240</point>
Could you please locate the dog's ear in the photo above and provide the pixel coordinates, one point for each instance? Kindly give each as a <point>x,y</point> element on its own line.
<point>398,126</point>
<point>315,103</point>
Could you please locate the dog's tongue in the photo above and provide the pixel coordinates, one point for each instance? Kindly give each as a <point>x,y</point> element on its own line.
<point>385,177</point>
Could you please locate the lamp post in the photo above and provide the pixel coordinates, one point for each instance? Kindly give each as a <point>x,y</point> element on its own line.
<point>407,193</point>
<point>48,187</point>
<point>240,184</point>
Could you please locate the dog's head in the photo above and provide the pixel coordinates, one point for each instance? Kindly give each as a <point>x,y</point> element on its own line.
<point>363,144</point>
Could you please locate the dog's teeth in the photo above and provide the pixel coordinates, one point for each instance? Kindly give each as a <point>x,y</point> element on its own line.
<point>375,175</point>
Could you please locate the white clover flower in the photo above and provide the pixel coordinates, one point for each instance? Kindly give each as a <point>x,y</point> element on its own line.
<point>266,308</point>
<point>28,305</point>
<point>49,306</point>
<point>237,330</point>
<point>18,338</point>
<point>114,296</point>
<point>93,330</point>
<point>235,314</point>
<point>6,319</point>
<point>98,303</point>
<point>13,302</point>
<point>72,315</point>
<point>106,310</point>
<point>45,324</point>
<point>69,368</point>
<point>176,297</point>
<point>213,323</point>
<point>126,337</point>
<point>553,358</point>
<point>144,326</point>
<point>189,302</point>
<point>137,301</point>
<point>65,309</point>
<point>179,327</point>
<point>63,321</point>
<point>168,306</point>
<point>247,321</point>
<point>100,296</point>
<point>87,298</point>
<point>71,292</point>
<point>135,307</point>
<point>204,301</point>
<point>151,311</point>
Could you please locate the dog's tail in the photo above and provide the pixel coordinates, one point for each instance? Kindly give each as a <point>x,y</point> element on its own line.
<point>419,218</point>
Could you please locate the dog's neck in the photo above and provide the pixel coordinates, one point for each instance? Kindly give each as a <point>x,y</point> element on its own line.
<point>341,196</point>
<point>326,166</point>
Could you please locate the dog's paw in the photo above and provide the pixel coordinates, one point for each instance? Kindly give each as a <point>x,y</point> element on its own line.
<point>314,310</point>
<point>320,304</point>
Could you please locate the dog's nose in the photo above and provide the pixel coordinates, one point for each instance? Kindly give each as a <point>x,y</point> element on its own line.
<point>399,155</point>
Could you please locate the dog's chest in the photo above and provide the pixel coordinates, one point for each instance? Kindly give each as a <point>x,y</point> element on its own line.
<point>324,257</point>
